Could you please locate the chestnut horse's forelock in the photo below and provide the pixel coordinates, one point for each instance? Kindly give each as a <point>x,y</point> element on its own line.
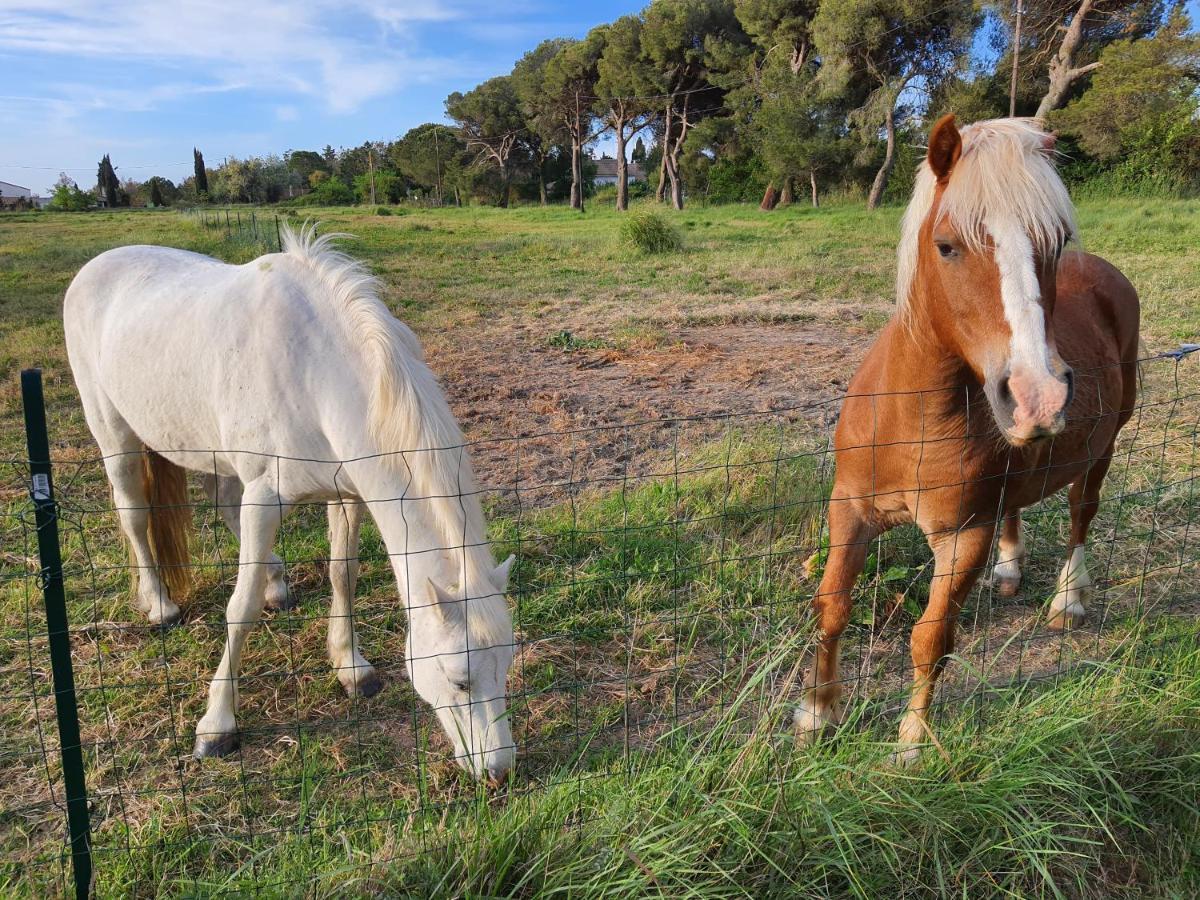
<point>1004,182</point>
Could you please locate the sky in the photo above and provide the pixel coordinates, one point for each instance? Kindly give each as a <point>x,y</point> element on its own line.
<point>145,80</point>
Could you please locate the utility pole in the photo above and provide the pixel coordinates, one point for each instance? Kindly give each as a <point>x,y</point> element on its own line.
<point>437,157</point>
<point>371,166</point>
<point>1012,90</point>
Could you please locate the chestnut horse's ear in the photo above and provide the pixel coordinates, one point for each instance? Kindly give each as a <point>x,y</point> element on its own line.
<point>945,147</point>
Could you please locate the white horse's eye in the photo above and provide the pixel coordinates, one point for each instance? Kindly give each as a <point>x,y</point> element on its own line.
<point>463,686</point>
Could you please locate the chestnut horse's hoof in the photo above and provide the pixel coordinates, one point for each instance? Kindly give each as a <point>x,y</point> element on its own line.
<point>906,757</point>
<point>214,746</point>
<point>369,685</point>
<point>1067,616</point>
<point>1008,587</point>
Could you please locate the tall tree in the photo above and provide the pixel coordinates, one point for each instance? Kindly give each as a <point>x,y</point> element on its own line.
<point>490,123</point>
<point>1145,90</point>
<point>110,187</point>
<point>679,38</point>
<point>568,94</point>
<point>544,129</point>
<point>639,152</point>
<point>201,174</point>
<point>432,157</point>
<point>156,194</point>
<point>626,84</point>
<point>1085,26</point>
<point>891,43</point>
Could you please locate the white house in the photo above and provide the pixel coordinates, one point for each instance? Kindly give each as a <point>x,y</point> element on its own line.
<point>10,193</point>
<point>606,171</point>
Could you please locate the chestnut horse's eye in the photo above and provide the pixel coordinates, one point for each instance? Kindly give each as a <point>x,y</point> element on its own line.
<point>947,250</point>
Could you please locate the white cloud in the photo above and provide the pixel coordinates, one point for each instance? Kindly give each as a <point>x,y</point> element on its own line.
<point>343,54</point>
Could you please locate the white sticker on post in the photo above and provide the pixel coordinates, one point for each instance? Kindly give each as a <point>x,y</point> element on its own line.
<point>41,486</point>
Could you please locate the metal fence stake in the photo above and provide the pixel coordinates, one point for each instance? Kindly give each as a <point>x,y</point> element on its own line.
<point>51,578</point>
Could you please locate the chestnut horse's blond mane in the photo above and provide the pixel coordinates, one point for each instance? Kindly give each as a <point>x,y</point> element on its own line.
<point>1005,177</point>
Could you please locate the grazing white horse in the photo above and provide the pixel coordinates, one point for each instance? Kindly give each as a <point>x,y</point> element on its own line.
<point>287,380</point>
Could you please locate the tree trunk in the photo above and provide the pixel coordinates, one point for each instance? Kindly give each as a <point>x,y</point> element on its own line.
<point>503,202</point>
<point>622,182</point>
<point>660,193</point>
<point>673,149</point>
<point>889,159</point>
<point>542,181</point>
<point>1062,71</point>
<point>812,181</point>
<point>770,198</point>
<point>785,195</point>
<point>576,173</point>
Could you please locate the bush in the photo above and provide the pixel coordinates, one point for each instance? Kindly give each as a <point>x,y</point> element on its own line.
<point>382,211</point>
<point>650,232</point>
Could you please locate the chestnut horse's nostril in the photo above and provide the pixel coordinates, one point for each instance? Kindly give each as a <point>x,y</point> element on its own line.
<point>1069,375</point>
<point>1005,390</point>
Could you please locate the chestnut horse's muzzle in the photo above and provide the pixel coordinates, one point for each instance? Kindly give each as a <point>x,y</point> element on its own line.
<point>1030,407</point>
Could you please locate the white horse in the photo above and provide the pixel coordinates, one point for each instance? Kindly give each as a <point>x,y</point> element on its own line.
<point>287,380</point>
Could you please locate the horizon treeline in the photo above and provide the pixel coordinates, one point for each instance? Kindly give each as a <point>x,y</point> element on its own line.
<point>765,101</point>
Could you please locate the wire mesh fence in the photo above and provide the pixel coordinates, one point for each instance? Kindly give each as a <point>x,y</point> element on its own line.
<point>249,227</point>
<point>663,578</point>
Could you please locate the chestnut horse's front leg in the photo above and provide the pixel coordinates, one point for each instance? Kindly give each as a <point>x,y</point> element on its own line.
<point>849,534</point>
<point>959,558</point>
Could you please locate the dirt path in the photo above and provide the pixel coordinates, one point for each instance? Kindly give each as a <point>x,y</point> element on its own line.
<point>539,411</point>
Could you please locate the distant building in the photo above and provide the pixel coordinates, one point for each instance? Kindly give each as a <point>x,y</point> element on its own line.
<point>11,194</point>
<point>606,171</point>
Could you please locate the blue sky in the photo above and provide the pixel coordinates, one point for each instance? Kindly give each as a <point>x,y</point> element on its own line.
<point>144,80</point>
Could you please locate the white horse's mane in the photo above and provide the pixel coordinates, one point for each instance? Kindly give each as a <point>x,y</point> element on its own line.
<point>411,421</point>
<point>1006,174</point>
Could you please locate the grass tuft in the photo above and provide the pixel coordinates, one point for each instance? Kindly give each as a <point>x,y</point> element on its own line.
<point>650,232</point>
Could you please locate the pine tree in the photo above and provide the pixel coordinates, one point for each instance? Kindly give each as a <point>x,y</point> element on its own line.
<point>201,174</point>
<point>639,152</point>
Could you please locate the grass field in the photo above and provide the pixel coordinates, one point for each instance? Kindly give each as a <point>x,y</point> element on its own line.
<point>659,592</point>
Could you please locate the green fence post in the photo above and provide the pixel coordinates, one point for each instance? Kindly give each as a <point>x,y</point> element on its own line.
<point>57,629</point>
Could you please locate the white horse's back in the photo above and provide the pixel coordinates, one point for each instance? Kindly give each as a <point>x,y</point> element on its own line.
<point>240,365</point>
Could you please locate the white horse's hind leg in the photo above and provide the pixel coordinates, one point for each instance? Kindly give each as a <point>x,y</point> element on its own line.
<point>1010,556</point>
<point>216,732</point>
<point>356,674</point>
<point>124,470</point>
<point>225,492</point>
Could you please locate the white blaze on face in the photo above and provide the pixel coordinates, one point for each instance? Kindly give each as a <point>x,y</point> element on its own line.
<point>1039,394</point>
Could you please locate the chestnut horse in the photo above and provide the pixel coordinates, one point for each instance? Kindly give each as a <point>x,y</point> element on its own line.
<point>1005,375</point>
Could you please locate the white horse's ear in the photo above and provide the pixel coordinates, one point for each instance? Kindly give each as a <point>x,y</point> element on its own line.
<point>501,572</point>
<point>442,601</point>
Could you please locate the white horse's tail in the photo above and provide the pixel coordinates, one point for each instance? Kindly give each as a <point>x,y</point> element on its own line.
<point>170,517</point>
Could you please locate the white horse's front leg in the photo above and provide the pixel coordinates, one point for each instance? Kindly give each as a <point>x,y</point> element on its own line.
<point>356,674</point>
<point>225,493</point>
<point>261,512</point>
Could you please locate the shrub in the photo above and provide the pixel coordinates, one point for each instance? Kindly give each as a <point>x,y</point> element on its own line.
<point>382,211</point>
<point>650,232</point>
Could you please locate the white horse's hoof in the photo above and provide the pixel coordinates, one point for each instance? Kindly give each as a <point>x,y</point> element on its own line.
<point>279,595</point>
<point>213,746</point>
<point>166,616</point>
<point>366,684</point>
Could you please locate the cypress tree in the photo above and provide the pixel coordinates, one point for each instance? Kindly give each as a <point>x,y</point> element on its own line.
<point>107,179</point>
<point>201,174</point>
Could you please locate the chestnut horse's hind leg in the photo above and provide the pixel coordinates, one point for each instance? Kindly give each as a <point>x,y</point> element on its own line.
<point>1074,590</point>
<point>1010,556</point>
<point>959,558</point>
<point>849,536</point>
<point>225,493</point>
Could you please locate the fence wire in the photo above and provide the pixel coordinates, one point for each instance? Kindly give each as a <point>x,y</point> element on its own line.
<point>664,577</point>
